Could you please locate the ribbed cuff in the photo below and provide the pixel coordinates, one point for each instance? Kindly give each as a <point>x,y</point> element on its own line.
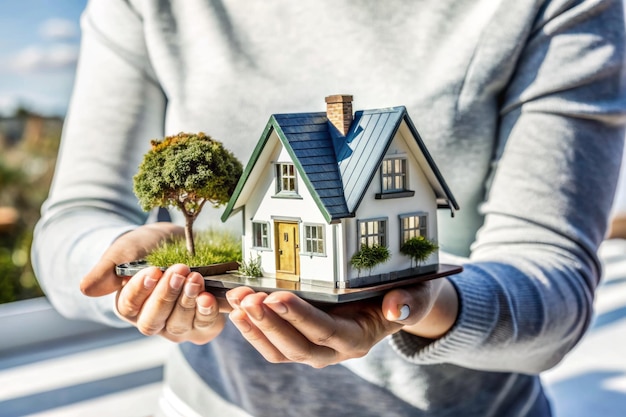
<point>476,319</point>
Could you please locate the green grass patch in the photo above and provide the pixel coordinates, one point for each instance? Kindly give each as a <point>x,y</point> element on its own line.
<point>212,247</point>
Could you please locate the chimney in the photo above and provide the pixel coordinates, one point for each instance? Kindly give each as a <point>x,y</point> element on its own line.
<point>339,112</point>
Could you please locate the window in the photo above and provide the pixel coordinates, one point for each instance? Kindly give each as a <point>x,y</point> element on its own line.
<point>285,178</point>
<point>260,235</point>
<point>314,239</point>
<point>373,232</point>
<point>393,175</point>
<point>413,225</point>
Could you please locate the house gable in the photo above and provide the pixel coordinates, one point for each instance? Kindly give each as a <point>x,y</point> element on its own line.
<point>337,169</point>
<point>306,138</point>
<point>365,146</point>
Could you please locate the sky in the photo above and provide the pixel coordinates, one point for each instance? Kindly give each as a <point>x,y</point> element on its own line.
<point>39,42</point>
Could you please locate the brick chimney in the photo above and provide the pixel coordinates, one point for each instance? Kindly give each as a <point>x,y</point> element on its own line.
<point>339,112</point>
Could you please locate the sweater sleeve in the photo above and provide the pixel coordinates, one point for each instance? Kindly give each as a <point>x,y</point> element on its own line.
<point>116,108</point>
<point>526,292</point>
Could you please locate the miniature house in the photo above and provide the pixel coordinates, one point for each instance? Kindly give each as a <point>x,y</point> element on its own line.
<point>320,185</point>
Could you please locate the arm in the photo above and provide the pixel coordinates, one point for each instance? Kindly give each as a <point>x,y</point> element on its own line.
<point>116,108</point>
<point>526,295</point>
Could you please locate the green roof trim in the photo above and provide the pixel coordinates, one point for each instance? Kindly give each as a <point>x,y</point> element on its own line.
<point>303,175</point>
<point>228,211</point>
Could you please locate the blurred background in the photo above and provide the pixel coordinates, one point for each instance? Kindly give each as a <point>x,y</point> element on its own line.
<point>39,42</point>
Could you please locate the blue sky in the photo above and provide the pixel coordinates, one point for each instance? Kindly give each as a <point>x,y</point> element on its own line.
<point>39,41</point>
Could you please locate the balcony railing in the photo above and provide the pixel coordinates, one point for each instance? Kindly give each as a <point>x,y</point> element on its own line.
<point>51,366</point>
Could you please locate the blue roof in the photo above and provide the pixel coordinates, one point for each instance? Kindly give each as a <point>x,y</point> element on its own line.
<point>336,169</point>
<point>308,135</point>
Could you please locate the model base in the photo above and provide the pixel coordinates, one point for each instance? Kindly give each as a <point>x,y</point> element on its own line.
<point>218,285</point>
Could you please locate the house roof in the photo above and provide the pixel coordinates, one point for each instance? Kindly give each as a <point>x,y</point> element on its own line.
<point>336,169</point>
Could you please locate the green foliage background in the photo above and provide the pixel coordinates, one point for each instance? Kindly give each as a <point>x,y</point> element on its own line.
<point>28,149</point>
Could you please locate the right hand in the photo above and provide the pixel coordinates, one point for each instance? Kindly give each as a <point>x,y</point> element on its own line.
<point>172,304</point>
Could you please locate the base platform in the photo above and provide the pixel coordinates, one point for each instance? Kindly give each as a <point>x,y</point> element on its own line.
<point>218,285</point>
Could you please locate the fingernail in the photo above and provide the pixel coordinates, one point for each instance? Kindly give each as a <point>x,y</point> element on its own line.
<point>176,281</point>
<point>149,282</point>
<point>405,310</point>
<point>277,306</point>
<point>205,311</point>
<point>191,289</point>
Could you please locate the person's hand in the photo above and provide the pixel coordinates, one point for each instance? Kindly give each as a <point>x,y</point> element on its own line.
<point>131,246</point>
<point>285,328</point>
<point>172,304</point>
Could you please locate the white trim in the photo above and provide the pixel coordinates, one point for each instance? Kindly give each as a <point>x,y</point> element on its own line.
<point>35,321</point>
<point>80,368</point>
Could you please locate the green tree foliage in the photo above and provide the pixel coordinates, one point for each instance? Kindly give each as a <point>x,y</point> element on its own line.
<point>369,256</point>
<point>418,248</point>
<point>186,171</point>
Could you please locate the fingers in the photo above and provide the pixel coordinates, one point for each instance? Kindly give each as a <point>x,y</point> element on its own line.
<point>432,308</point>
<point>133,245</point>
<point>172,304</point>
<point>407,305</point>
<point>276,339</point>
<point>207,312</point>
<point>251,332</point>
<point>160,304</point>
<point>134,294</point>
<point>182,317</point>
<point>317,326</point>
<point>397,307</point>
<point>284,328</point>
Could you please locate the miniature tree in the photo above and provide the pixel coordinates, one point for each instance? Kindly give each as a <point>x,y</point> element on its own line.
<point>418,248</point>
<point>185,171</point>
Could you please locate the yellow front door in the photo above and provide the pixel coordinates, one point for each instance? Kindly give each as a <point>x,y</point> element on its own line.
<point>287,251</point>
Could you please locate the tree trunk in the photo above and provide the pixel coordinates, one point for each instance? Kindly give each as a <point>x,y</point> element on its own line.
<point>191,246</point>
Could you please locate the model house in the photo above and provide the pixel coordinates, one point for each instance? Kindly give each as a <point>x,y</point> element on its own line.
<point>320,185</point>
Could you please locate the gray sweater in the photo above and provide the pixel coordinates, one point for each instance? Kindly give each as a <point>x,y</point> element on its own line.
<point>521,104</point>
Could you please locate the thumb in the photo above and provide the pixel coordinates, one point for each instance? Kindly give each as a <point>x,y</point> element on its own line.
<point>406,306</point>
<point>101,280</point>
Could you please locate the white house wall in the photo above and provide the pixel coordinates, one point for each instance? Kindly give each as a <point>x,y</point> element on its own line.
<point>424,201</point>
<point>264,206</point>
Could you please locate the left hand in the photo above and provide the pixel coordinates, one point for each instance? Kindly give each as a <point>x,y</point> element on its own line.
<point>286,328</point>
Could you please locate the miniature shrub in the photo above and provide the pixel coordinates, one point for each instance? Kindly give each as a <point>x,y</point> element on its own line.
<point>251,268</point>
<point>369,256</point>
<point>418,248</point>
